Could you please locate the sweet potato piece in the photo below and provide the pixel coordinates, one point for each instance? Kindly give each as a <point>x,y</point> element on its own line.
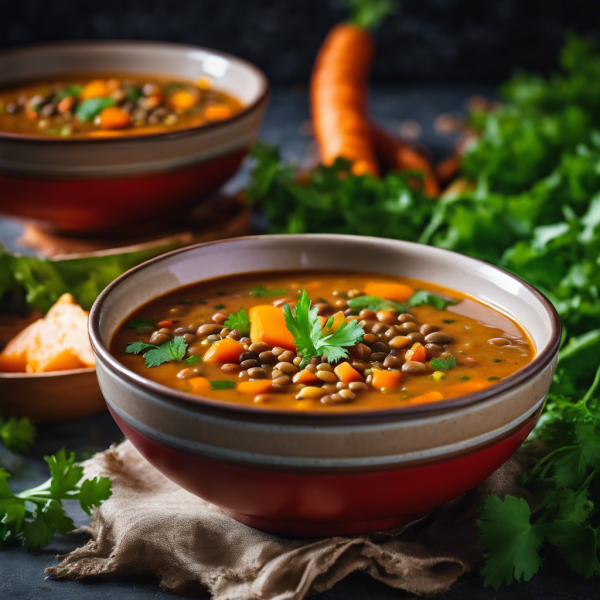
<point>386,380</point>
<point>224,351</point>
<point>114,117</point>
<point>305,376</point>
<point>13,359</point>
<point>416,353</point>
<point>267,324</point>
<point>60,342</point>
<point>428,397</point>
<point>94,89</point>
<point>347,373</point>
<point>200,385</point>
<point>338,319</point>
<point>392,291</point>
<point>467,387</point>
<point>254,387</point>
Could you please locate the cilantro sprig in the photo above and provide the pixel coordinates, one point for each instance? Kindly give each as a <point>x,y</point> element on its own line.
<point>419,298</point>
<point>260,291</point>
<point>442,364</point>
<point>35,515</point>
<point>157,355</point>
<point>311,340</point>
<point>239,321</point>
<point>17,434</point>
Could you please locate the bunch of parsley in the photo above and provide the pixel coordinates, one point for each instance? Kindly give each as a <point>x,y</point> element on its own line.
<point>534,210</point>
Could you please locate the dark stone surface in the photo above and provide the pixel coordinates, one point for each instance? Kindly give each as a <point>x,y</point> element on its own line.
<point>426,40</point>
<point>22,575</point>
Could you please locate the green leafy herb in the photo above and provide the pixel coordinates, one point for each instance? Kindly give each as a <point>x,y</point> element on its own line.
<point>374,303</point>
<point>142,323</point>
<point>34,516</point>
<point>239,321</point>
<point>133,93</point>
<point>70,90</point>
<point>222,384</point>
<point>441,364</point>
<point>157,355</point>
<point>369,14</point>
<point>260,291</point>
<point>303,323</point>
<point>464,377</point>
<point>219,306</point>
<point>88,110</point>
<point>496,360</point>
<point>493,378</point>
<point>438,302</point>
<point>17,434</point>
<point>192,360</point>
<point>449,321</point>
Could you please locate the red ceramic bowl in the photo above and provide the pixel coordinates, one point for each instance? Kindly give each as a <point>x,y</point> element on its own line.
<point>110,184</point>
<point>311,473</point>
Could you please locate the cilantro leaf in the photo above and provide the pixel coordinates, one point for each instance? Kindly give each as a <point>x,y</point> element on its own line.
<point>35,515</point>
<point>374,303</point>
<point>260,291</point>
<point>239,321</point>
<point>138,347</point>
<point>440,364</point>
<point>192,360</point>
<point>142,323</point>
<point>423,297</point>
<point>311,340</point>
<point>510,541</point>
<point>17,434</point>
<point>172,350</point>
<point>222,384</point>
<point>89,109</point>
<point>578,545</point>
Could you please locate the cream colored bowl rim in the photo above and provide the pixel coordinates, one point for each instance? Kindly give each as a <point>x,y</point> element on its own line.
<point>31,48</point>
<point>541,361</point>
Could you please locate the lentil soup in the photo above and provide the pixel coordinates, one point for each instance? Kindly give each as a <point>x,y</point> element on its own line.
<point>366,342</point>
<point>109,105</point>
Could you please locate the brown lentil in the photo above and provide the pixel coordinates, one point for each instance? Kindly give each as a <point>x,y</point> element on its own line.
<point>249,364</point>
<point>248,355</point>
<point>380,347</point>
<point>358,386</point>
<point>415,336</point>
<point>275,373</point>
<point>327,376</point>
<point>310,392</point>
<point>393,362</point>
<point>325,367</point>
<point>234,334</point>
<point>277,350</point>
<point>189,338</point>
<point>231,368</point>
<point>287,356</point>
<point>360,351</point>
<point>378,356</point>
<point>439,337</point>
<point>158,338</point>
<point>259,347</point>
<point>426,329</point>
<point>347,395</point>
<point>219,318</point>
<point>267,358</point>
<point>208,329</point>
<point>370,338</point>
<point>286,367</point>
<point>400,341</point>
<point>379,328</point>
<point>413,367</point>
<point>257,373</point>
<point>214,338</point>
<point>283,380</point>
<point>365,313</point>
<point>189,373</point>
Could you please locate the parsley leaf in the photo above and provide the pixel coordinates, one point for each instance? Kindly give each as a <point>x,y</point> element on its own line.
<point>510,541</point>
<point>239,321</point>
<point>17,434</point>
<point>440,364</point>
<point>142,323</point>
<point>311,340</point>
<point>374,303</point>
<point>222,384</point>
<point>89,109</point>
<point>35,515</point>
<point>260,291</point>
<point>423,297</point>
<point>157,355</point>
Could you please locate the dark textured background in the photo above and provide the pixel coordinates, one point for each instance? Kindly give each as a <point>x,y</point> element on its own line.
<point>426,41</point>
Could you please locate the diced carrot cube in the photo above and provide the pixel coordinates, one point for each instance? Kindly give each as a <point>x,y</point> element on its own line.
<point>224,351</point>
<point>95,89</point>
<point>386,380</point>
<point>114,118</point>
<point>182,100</point>
<point>217,112</point>
<point>200,385</point>
<point>167,324</point>
<point>417,353</point>
<point>267,324</point>
<point>305,376</point>
<point>254,387</point>
<point>347,373</point>
<point>392,291</point>
<point>428,397</point>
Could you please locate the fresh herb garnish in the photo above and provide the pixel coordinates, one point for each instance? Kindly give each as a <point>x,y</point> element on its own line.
<point>70,90</point>
<point>219,306</point>
<point>239,321</point>
<point>88,110</point>
<point>260,291</point>
<point>311,340</point>
<point>496,360</point>
<point>142,323</point>
<point>423,297</point>
<point>222,384</point>
<point>17,434</point>
<point>34,516</point>
<point>464,377</point>
<point>441,364</point>
<point>157,355</point>
<point>449,321</point>
<point>374,303</point>
<point>493,378</point>
<point>192,360</point>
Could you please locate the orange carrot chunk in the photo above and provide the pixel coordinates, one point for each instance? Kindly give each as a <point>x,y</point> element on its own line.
<point>468,387</point>
<point>224,351</point>
<point>428,397</point>
<point>182,100</point>
<point>114,118</point>
<point>398,292</point>
<point>267,324</point>
<point>199,385</point>
<point>94,89</point>
<point>305,376</point>
<point>167,324</point>
<point>417,353</point>
<point>386,380</point>
<point>254,387</point>
<point>347,373</point>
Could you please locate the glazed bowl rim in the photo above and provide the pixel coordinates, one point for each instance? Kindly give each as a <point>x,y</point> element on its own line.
<point>263,93</point>
<point>541,360</point>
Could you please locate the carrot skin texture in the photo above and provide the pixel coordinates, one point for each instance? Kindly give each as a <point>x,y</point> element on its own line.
<point>338,94</point>
<point>400,156</point>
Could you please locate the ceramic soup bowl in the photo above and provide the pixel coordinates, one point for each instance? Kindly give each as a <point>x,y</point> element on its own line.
<point>335,473</point>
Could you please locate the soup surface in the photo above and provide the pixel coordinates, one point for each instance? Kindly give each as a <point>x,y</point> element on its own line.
<point>116,104</point>
<point>367,342</point>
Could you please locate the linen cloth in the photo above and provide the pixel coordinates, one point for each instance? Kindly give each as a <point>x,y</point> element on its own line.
<point>150,526</point>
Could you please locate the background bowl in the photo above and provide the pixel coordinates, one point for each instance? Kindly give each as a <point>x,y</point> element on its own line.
<point>108,184</point>
<point>325,473</point>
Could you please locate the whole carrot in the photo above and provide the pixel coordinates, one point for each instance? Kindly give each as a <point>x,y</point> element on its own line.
<point>400,156</point>
<point>338,89</point>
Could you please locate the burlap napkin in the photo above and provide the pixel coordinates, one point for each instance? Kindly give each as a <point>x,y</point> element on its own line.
<point>150,526</point>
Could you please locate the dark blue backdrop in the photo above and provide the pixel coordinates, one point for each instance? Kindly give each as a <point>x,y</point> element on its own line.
<point>426,41</point>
